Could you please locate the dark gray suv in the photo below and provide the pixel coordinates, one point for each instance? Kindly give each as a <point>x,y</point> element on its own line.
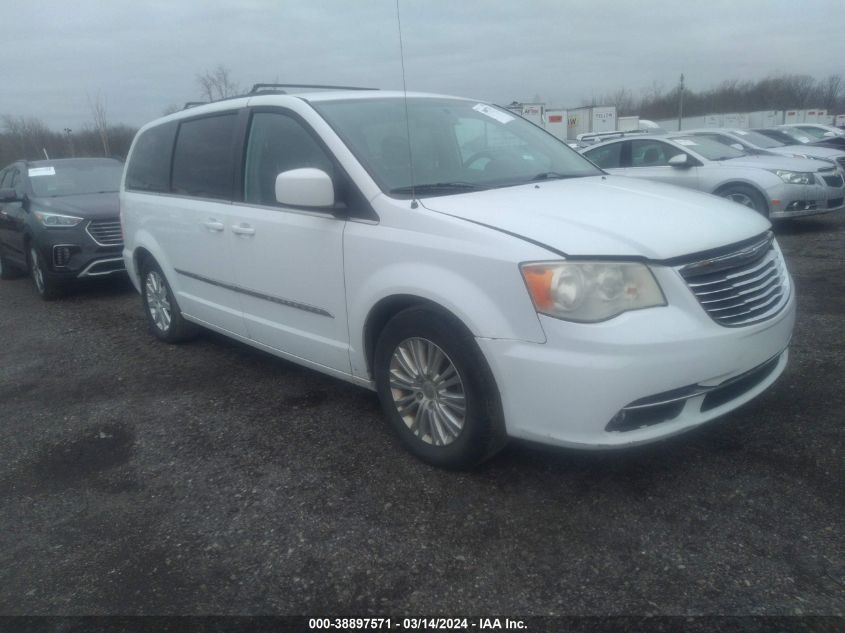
<point>59,221</point>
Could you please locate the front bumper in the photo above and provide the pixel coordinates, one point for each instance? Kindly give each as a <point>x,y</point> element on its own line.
<point>570,391</point>
<point>72,254</point>
<point>803,200</point>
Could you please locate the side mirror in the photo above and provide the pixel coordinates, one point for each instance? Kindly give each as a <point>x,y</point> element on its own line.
<point>680,160</point>
<point>8,195</point>
<point>306,187</point>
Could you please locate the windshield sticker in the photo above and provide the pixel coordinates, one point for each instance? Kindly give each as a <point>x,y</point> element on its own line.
<point>42,171</point>
<point>684,141</point>
<point>493,113</point>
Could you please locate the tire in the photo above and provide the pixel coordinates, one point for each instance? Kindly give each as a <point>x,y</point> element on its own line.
<point>47,288</point>
<point>746,196</point>
<point>426,365</point>
<point>164,317</point>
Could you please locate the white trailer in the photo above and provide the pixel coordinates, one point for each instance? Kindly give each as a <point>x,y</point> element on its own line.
<point>556,122</point>
<point>534,113</point>
<point>627,123</point>
<point>839,120</point>
<point>590,119</point>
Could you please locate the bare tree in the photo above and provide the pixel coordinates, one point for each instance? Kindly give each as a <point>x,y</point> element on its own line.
<point>829,91</point>
<point>98,112</point>
<point>217,84</point>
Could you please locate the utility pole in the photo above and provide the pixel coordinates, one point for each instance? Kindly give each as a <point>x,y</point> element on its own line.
<point>681,103</point>
<point>70,141</point>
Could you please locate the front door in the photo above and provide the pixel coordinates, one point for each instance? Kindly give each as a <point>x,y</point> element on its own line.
<point>289,261</point>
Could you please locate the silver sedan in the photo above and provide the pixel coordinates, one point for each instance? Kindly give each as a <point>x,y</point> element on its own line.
<point>752,142</point>
<point>775,186</point>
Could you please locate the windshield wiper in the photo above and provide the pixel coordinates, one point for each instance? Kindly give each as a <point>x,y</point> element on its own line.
<point>438,186</point>
<point>551,175</point>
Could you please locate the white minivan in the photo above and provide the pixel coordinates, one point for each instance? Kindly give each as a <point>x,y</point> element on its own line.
<point>484,278</point>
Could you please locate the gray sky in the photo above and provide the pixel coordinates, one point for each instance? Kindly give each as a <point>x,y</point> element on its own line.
<point>144,55</point>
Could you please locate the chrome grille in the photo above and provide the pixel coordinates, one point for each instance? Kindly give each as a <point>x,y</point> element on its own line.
<point>105,232</point>
<point>744,286</point>
<point>833,181</point>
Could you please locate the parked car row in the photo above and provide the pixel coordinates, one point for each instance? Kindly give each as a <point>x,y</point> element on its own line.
<point>486,280</point>
<point>776,180</point>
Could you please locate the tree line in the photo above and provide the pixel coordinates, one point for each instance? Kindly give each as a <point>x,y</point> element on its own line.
<point>777,92</point>
<point>30,138</point>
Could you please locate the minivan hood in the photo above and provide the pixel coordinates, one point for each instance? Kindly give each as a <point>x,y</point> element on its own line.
<point>91,206</point>
<point>775,162</point>
<point>608,216</point>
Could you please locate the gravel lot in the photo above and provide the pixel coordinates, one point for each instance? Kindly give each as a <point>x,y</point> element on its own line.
<point>209,478</point>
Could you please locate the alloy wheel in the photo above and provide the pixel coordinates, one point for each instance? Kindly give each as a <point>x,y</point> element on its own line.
<point>37,272</point>
<point>155,291</point>
<point>427,391</point>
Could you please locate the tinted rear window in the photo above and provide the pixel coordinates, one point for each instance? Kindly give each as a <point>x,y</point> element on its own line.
<point>149,164</point>
<point>203,158</point>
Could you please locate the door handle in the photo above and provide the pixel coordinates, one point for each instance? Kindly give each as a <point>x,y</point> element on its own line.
<point>213,225</point>
<point>243,229</point>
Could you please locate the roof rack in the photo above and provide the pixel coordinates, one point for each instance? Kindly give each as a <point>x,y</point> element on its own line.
<point>588,138</point>
<point>280,88</point>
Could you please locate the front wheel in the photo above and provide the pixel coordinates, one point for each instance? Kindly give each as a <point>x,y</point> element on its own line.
<point>747,197</point>
<point>437,391</point>
<point>164,317</point>
<point>46,287</point>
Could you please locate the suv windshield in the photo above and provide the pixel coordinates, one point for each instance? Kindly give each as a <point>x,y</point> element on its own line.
<point>708,148</point>
<point>455,145</point>
<point>75,177</point>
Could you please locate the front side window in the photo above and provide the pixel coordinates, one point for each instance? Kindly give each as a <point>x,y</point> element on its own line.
<point>203,157</point>
<point>441,146</point>
<point>278,143</point>
<point>607,156</point>
<point>652,153</point>
<point>149,164</point>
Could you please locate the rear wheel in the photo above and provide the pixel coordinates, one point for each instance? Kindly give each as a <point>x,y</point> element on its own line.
<point>163,314</point>
<point>437,391</point>
<point>47,288</point>
<point>747,197</point>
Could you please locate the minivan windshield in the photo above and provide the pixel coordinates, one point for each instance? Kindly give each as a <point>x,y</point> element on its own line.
<point>455,145</point>
<point>75,177</point>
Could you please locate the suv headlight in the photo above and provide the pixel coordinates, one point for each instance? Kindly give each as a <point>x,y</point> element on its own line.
<point>590,291</point>
<point>56,219</point>
<point>795,177</point>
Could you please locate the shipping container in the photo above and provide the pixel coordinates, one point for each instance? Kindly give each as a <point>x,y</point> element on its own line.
<point>590,119</point>
<point>627,123</point>
<point>556,122</point>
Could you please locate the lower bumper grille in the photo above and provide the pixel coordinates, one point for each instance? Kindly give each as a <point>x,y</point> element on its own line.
<point>668,405</point>
<point>835,203</point>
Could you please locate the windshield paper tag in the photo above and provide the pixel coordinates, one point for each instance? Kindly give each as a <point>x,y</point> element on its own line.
<point>683,141</point>
<point>493,113</point>
<point>42,171</point>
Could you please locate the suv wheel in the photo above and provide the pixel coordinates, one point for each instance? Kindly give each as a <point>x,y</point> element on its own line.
<point>437,391</point>
<point>47,288</point>
<point>163,314</point>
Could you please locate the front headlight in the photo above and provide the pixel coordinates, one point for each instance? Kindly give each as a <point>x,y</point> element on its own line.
<point>56,219</point>
<point>795,177</point>
<point>590,291</point>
